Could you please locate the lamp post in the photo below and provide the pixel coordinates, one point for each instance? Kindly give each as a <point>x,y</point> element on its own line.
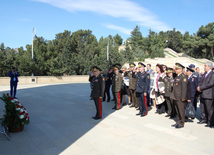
<point>108,50</point>
<point>166,43</point>
<point>33,38</point>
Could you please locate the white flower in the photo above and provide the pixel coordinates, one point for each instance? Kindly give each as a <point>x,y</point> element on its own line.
<point>13,101</point>
<point>17,109</point>
<point>21,116</point>
<point>21,110</point>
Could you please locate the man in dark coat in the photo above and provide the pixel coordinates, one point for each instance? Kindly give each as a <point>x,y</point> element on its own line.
<point>206,88</point>
<point>193,79</point>
<point>179,95</point>
<point>142,87</point>
<point>13,81</point>
<point>97,90</point>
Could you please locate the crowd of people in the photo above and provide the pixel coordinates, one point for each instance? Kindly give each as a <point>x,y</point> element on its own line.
<point>167,89</point>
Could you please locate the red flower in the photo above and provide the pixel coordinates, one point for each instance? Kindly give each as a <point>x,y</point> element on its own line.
<point>9,98</point>
<point>17,102</point>
<point>12,98</point>
<point>7,94</point>
<point>21,113</point>
<point>18,106</point>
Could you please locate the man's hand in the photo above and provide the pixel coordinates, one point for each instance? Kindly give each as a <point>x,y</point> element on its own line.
<point>188,100</point>
<point>198,89</point>
<point>145,94</point>
<point>182,100</point>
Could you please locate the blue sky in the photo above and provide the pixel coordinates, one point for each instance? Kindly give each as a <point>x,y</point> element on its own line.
<point>103,17</point>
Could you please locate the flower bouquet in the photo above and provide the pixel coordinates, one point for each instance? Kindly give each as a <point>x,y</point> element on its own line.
<point>15,115</point>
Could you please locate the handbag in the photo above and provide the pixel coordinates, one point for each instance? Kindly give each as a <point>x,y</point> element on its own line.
<point>160,99</point>
<point>190,111</point>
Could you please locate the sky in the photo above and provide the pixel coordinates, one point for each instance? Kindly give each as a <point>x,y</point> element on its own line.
<point>102,17</point>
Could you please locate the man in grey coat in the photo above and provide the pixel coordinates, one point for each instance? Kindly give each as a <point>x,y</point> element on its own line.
<point>206,88</point>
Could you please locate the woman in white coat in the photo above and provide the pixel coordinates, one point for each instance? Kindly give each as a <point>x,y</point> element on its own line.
<point>159,88</point>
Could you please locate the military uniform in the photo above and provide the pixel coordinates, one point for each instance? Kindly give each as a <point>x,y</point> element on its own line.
<point>179,93</point>
<point>168,91</point>
<point>116,88</point>
<point>97,91</point>
<point>132,83</point>
<point>142,86</point>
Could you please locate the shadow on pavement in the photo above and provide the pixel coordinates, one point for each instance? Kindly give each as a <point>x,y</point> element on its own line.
<point>59,115</point>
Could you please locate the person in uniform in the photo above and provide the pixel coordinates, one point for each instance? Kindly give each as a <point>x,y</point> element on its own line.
<point>193,79</point>
<point>117,79</point>
<point>206,88</point>
<point>13,81</point>
<point>97,90</point>
<point>107,85</point>
<point>132,83</point>
<point>169,80</point>
<point>179,95</point>
<point>142,87</point>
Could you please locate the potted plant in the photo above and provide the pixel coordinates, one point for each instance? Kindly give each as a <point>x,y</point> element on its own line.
<point>15,115</point>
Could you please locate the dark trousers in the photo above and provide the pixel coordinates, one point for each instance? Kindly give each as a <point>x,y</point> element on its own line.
<point>117,100</point>
<point>134,98</point>
<point>142,103</point>
<point>170,107</point>
<point>194,102</point>
<point>207,106</point>
<point>13,87</point>
<point>98,104</point>
<point>107,93</point>
<point>180,110</point>
<point>149,100</point>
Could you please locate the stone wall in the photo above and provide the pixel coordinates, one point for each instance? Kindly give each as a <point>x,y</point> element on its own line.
<point>47,79</point>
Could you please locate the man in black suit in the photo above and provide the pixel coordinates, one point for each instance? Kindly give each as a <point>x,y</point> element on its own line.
<point>206,87</point>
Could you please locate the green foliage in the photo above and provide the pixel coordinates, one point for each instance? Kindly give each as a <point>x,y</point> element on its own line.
<point>75,53</point>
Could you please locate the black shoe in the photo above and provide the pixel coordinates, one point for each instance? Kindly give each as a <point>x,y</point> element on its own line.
<point>167,115</point>
<point>138,109</point>
<point>114,108</point>
<point>171,117</point>
<point>139,113</point>
<point>173,125</point>
<point>108,100</point>
<point>129,103</point>
<point>112,100</point>
<point>201,122</point>
<point>104,100</point>
<point>91,98</point>
<point>131,106</point>
<point>178,126</point>
<point>15,97</point>
<point>96,118</point>
<point>142,115</point>
<point>124,104</point>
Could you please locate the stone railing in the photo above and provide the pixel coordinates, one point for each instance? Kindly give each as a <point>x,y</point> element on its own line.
<point>47,79</point>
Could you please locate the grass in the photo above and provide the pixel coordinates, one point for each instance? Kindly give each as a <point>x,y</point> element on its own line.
<point>170,54</point>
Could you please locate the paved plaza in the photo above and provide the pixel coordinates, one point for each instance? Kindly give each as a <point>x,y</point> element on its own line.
<point>61,123</point>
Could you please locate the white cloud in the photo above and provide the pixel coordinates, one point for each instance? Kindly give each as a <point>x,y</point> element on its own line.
<point>119,28</point>
<point>124,9</point>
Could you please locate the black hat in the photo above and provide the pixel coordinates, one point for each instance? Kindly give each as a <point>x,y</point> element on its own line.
<point>140,64</point>
<point>132,64</point>
<point>116,68</point>
<point>96,69</point>
<point>179,66</point>
<point>190,69</point>
<point>169,70</point>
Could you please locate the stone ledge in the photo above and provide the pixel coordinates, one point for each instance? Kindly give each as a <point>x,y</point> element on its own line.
<point>46,79</point>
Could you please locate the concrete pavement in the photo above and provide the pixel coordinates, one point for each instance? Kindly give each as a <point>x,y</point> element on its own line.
<point>61,123</point>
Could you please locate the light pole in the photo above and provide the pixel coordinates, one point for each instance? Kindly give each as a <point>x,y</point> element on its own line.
<point>108,50</point>
<point>33,38</point>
